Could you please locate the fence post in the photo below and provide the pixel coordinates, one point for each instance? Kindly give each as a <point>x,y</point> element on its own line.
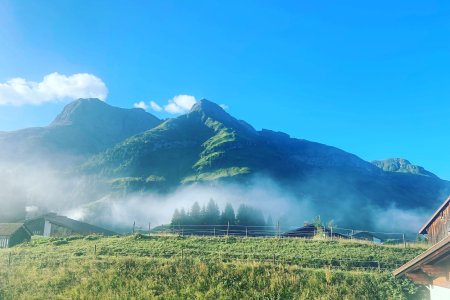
<point>149,228</point>
<point>331,228</point>
<point>378,265</point>
<point>404,241</point>
<point>182,231</point>
<point>134,225</point>
<point>273,259</point>
<point>95,250</point>
<point>214,230</point>
<point>182,253</point>
<point>278,228</point>
<point>228,228</point>
<point>246,231</point>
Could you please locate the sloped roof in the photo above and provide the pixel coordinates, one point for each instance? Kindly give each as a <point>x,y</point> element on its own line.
<point>433,254</point>
<point>74,225</point>
<point>8,229</point>
<point>424,228</point>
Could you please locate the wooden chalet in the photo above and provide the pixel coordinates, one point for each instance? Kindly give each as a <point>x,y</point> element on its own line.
<point>310,231</point>
<point>12,234</point>
<point>52,224</point>
<point>432,268</point>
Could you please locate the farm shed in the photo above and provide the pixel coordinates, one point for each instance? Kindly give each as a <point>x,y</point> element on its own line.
<point>310,230</point>
<point>432,268</point>
<point>53,225</point>
<point>12,234</point>
<point>367,236</point>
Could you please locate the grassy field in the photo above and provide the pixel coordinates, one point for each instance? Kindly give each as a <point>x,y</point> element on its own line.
<point>169,267</point>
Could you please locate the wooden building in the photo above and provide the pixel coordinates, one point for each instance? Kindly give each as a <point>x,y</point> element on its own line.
<point>12,234</point>
<point>366,236</point>
<point>432,268</point>
<point>52,224</point>
<point>310,231</point>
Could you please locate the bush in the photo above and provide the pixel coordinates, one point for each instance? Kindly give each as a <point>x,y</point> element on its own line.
<point>60,242</point>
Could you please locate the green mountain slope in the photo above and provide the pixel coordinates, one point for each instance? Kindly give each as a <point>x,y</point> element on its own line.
<point>208,144</point>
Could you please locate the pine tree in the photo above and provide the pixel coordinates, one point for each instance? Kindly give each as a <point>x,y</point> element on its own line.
<point>212,213</point>
<point>228,215</point>
<point>183,217</point>
<point>249,216</point>
<point>195,214</point>
<point>175,218</point>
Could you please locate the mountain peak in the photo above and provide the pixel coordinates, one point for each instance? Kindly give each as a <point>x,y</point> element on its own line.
<point>75,110</point>
<point>401,165</point>
<point>210,109</point>
<point>207,107</point>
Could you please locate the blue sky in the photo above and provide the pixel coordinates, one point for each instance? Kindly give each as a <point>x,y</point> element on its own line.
<point>370,78</point>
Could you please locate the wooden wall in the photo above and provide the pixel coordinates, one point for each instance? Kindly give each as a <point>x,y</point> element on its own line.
<point>438,230</point>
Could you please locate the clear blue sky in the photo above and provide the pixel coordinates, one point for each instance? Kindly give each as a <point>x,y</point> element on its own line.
<point>372,78</point>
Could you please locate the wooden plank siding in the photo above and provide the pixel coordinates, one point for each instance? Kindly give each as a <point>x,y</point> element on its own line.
<point>438,229</point>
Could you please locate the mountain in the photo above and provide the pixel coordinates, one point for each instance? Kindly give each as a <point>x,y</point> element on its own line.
<point>401,165</point>
<point>209,145</point>
<point>84,127</point>
<point>123,152</point>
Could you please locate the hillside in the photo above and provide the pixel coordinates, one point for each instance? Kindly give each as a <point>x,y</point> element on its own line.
<point>208,144</point>
<point>84,127</point>
<point>173,267</point>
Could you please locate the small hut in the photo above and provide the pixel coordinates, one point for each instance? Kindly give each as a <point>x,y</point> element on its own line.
<point>52,224</point>
<point>12,234</point>
<point>310,231</point>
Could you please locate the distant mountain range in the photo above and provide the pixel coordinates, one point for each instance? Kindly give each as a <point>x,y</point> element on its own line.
<point>137,152</point>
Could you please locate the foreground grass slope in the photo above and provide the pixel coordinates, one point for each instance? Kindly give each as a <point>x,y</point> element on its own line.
<point>140,267</point>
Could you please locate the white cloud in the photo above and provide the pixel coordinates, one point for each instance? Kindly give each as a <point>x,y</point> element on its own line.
<point>141,105</point>
<point>180,104</point>
<point>224,106</point>
<point>155,106</point>
<point>53,88</point>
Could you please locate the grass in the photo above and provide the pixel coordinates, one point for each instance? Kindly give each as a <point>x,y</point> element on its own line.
<point>169,267</point>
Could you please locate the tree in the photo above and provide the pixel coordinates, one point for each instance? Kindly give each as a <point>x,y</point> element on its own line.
<point>212,213</point>
<point>203,218</point>
<point>228,215</point>
<point>183,217</point>
<point>175,218</point>
<point>249,216</point>
<point>319,228</point>
<point>195,214</point>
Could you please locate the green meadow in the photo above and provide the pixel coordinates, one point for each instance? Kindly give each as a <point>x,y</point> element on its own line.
<point>172,267</point>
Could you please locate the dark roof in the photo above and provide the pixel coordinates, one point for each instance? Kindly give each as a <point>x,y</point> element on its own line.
<point>74,225</point>
<point>365,234</point>
<point>424,228</point>
<point>8,229</point>
<point>309,231</point>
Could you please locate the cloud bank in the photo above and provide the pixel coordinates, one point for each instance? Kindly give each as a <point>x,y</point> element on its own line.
<point>54,87</point>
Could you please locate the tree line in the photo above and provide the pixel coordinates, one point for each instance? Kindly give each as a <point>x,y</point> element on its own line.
<point>210,214</point>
